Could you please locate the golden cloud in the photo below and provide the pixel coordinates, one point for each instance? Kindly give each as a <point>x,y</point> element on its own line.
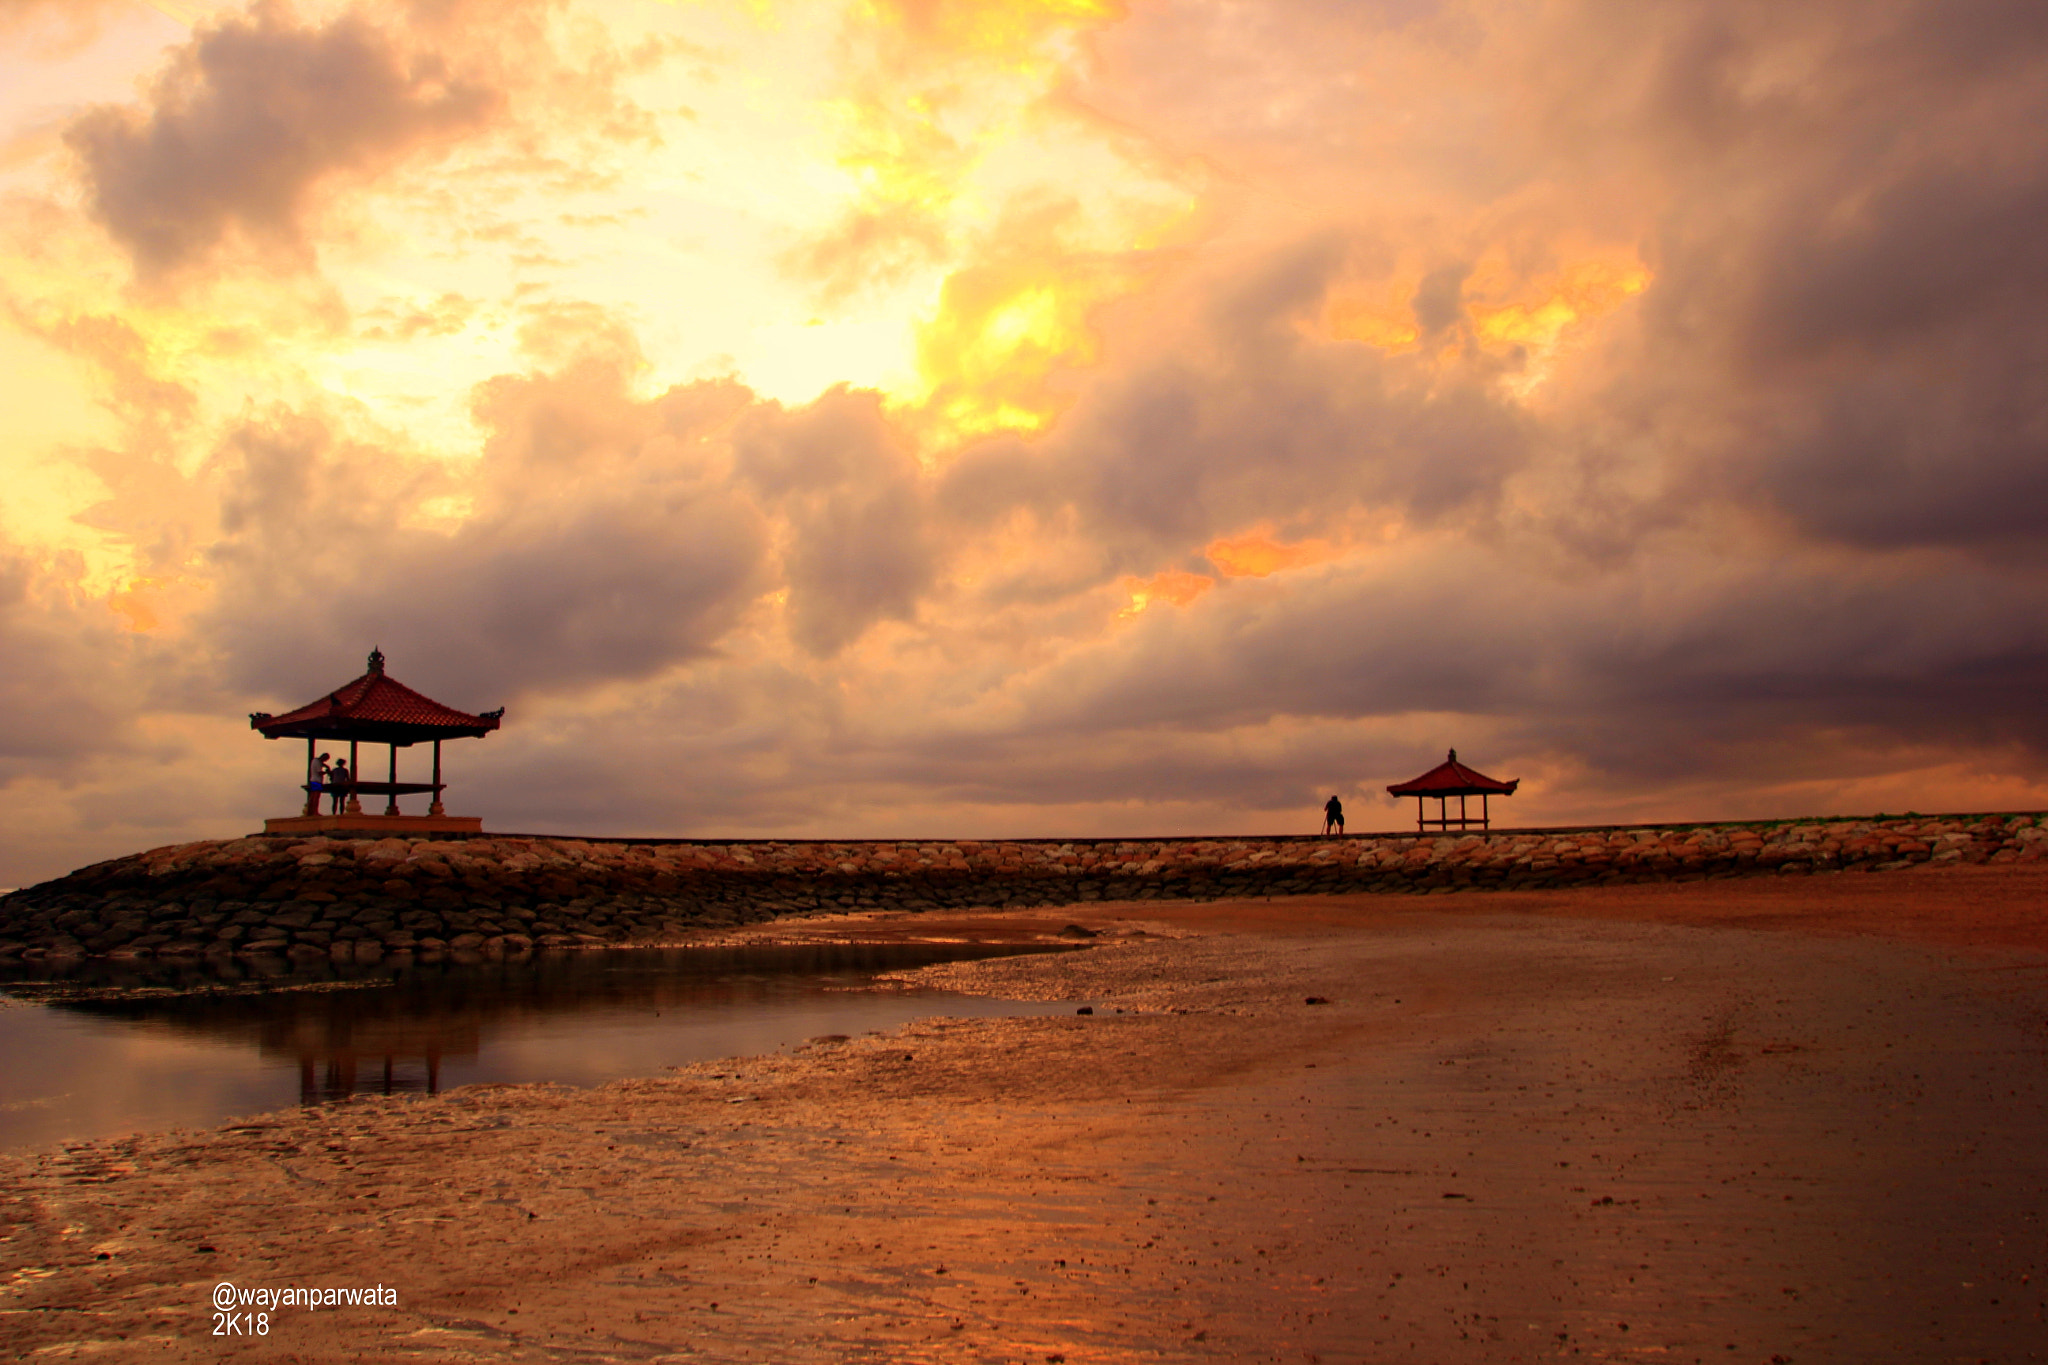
<point>1537,311</point>
<point>1176,587</point>
<point>1257,554</point>
<point>1013,30</point>
<point>1000,333</point>
<point>1498,306</point>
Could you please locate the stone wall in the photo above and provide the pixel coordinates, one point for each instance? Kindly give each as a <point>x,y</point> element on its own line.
<point>359,898</point>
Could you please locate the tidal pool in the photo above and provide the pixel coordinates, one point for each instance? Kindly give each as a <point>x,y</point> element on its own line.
<point>102,1048</point>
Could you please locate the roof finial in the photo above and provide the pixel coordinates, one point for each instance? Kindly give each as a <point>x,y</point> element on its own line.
<point>1454,752</point>
<point>376,659</point>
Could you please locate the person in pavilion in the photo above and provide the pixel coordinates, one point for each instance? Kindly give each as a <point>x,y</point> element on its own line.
<point>375,709</point>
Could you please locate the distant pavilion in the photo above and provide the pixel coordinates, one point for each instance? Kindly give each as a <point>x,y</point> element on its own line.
<point>375,709</point>
<point>1446,780</point>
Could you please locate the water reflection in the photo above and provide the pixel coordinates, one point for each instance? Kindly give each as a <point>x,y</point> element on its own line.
<point>129,1045</point>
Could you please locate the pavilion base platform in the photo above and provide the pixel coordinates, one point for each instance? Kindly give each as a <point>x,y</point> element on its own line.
<point>374,824</point>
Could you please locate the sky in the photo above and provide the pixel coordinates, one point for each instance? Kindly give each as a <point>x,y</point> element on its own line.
<point>925,418</point>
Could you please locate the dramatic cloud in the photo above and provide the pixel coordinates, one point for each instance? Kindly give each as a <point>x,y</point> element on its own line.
<point>599,544</point>
<point>1058,418</point>
<point>255,114</point>
<point>1248,418</point>
<point>858,549</point>
<point>1849,289</point>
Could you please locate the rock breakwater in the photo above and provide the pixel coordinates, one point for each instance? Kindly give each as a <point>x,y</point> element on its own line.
<point>359,898</point>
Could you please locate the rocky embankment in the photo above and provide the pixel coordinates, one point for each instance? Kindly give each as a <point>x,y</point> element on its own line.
<point>359,898</point>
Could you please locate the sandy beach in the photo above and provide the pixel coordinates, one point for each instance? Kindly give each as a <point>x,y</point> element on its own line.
<point>1765,1120</point>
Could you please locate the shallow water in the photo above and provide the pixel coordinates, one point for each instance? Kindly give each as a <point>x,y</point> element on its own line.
<point>102,1048</point>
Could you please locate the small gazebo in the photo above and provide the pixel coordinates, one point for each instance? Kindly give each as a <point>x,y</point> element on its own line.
<point>375,709</point>
<point>1446,780</point>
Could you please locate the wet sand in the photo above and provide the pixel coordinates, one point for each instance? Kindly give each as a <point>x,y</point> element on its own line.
<point>1798,1119</point>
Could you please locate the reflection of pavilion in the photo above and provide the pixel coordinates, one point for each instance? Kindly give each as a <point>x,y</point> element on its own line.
<point>395,1031</point>
<point>339,1081</point>
<point>341,1055</point>
<point>375,709</point>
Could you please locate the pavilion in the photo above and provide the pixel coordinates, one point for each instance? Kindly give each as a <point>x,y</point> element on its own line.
<point>1452,778</point>
<point>375,709</point>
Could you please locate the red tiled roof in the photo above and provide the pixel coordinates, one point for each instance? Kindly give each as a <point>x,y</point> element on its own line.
<point>1452,778</point>
<point>375,707</point>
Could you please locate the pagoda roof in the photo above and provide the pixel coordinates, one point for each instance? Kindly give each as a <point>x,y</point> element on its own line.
<point>376,708</point>
<point>1452,778</point>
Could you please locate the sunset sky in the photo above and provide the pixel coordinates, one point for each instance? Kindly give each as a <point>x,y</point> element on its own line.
<point>1031,417</point>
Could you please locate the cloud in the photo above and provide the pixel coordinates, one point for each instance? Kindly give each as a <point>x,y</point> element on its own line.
<point>250,118</point>
<point>444,316</point>
<point>68,692</point>
<point>1685,668</point>
<point>854,499</point>
<point>263,121</point>
<point>1248,416</point>
<point>603,545</point>
<point>62,26</point>
<point>1847,278</point>
<point>872,244</point>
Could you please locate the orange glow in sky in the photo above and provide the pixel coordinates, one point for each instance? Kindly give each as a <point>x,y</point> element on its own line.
<point>1175,587</point>
<point>1258,555</point>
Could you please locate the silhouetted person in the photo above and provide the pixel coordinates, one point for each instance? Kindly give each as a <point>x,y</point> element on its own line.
<point>339,781</point>
<point>316,783</point>
<point>1333,816</point>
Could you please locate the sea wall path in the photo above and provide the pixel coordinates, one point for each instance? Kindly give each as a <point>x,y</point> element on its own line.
<point>358,898</point>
